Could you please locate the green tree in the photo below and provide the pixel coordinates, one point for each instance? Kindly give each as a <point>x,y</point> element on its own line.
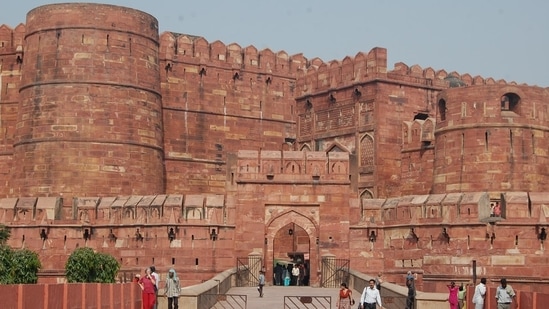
<point>85,265</point>
<point>4,234</point>
<point>18,266</point>
<point>108,268</point>
<point>6,267</point>
<point>26,265</point>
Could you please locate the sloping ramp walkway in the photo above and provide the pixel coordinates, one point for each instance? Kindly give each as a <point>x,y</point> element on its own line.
<point>273,296</point>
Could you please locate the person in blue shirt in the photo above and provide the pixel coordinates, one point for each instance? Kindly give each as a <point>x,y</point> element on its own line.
<point>504,295</point>
<point>261,283</point>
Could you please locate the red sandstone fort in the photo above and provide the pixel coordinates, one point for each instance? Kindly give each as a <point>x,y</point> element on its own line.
<point>167,149</point>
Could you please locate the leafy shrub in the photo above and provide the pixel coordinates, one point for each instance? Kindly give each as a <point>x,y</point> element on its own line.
<point>85,265</point>
<point>18,266</point>
<point>4,234</point>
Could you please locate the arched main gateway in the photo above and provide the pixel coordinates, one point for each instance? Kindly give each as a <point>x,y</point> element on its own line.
<point>302,241</point>
<point>288,185</point>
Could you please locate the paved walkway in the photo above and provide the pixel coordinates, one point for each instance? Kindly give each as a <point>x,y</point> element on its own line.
<point>273,296</point>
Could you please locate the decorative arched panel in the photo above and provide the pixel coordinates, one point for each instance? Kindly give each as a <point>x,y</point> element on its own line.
<point>367,152</point>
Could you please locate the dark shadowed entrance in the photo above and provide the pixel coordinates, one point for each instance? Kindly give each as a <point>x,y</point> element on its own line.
<point>291,238</point>
<point>291,246</point>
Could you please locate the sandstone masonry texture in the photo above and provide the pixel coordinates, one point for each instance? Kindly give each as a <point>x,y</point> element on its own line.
<point>167,149</point>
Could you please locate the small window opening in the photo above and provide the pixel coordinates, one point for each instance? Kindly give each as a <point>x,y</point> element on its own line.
<point>510,102</point>
<point>442,109</point>
<point>421,116</point>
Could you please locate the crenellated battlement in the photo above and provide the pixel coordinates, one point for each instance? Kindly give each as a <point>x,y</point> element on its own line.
<point>12,39</point>
<point>441,78</point>
<point>321,76</point>
<point>197,50</point>
<point>132,209</point>
<point>292,166</point>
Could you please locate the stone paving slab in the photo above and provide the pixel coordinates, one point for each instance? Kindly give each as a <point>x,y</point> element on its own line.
<point>273,296</point>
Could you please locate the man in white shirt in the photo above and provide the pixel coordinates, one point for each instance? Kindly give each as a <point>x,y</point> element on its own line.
<point>370,296</point>
<point>295,274</point>
<point>480,293</point>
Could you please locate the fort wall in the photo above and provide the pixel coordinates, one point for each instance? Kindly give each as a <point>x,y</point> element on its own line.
<point>218,99</point>
<point>441,234</point>
<point>90,103</point>
<point>168,149</point>
<point>492,137</point>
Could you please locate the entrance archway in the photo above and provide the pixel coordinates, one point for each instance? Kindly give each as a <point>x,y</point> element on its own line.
<point>291,246</point>
<point>298,246</point>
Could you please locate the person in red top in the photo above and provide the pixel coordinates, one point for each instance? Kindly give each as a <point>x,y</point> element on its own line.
<point>148,294</point>
<point>453,295</point>
<point>345,297</point>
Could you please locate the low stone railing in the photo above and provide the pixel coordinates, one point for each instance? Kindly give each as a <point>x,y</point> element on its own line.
<point>394,296</point>
<point>204,295</point>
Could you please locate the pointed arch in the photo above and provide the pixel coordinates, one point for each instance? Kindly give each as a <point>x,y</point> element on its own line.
<point>367,152</point>
<point>366,194</point>
<point>305,147</point>
<point>292,167</point>
<point>292,216</point>
<point>337,147</point>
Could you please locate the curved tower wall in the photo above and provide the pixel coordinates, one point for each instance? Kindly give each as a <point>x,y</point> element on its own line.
<point>492,138</point>
<point>90,119</point>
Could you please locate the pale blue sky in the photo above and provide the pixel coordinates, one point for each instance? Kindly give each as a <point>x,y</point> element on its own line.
<point>502,39</point>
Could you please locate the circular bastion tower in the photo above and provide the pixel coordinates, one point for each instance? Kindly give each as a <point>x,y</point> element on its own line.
<point>90,114</point>
<point>492,138</point>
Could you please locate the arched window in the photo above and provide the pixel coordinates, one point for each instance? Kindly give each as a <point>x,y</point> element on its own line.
<point>510,102</point>
<point>367,153</point>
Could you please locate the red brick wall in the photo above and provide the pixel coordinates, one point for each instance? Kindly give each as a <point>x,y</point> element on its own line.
<point>104,106</point>
<point>90,117</point>
<point>481,147</point>
<point>11,54</point>
<point>218,99</point>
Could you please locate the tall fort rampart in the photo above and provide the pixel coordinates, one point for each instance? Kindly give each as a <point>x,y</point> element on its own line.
<point>167,149</point>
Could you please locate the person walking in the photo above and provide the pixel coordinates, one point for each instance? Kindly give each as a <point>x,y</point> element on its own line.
<point>480,293</point>
<point>295,274</point>
<point>453,295</point>
<point>148,294</point>
<point>462,295</point>
<point>411,297</point>
<point>345,300</point>
<point>261,282</point>
<point>504,295</point>
<point>156,280</point>
<point>172,289</point>
<point>278,271</point>
<point>379,281</point>
<point>370,296</point>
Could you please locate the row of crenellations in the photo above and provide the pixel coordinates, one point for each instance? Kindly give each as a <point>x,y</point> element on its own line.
<point>315,74</point>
